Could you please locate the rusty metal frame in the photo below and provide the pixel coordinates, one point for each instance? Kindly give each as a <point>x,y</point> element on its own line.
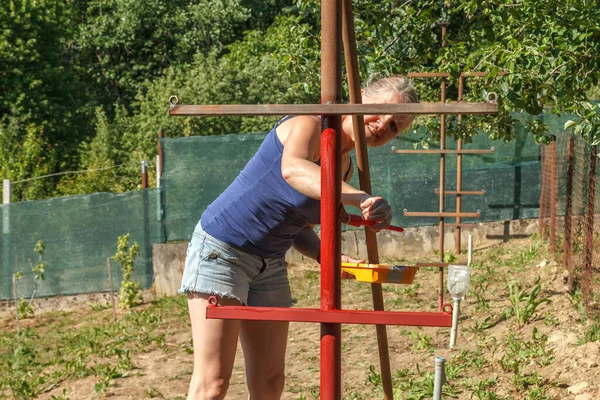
<point>442,151</point>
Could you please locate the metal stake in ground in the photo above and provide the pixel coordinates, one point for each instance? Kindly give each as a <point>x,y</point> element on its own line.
<point>14,284</point>
<point>112,293</point>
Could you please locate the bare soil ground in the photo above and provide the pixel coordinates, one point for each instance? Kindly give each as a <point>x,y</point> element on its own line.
<point>545,356</point>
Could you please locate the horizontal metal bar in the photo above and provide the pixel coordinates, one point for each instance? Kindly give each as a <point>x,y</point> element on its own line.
<point>440,214</point>
<point>447,75</point>
<point>459,224</point>
<point>330,316</point>
<point>334,109</point>
<point>436,264</point>
<point>461,192</point>
<point>444,151</point>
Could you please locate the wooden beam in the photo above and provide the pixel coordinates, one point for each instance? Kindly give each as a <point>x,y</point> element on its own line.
<point>333,109</point>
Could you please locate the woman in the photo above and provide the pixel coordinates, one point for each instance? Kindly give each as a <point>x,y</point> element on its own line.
<point>238,247</point>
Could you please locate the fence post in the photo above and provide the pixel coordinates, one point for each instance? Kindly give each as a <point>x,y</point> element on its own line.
<point>5,262</point>
<point>14,288</point>
<point>112,292</point>
<point>158,171</point>
<point>542,216</point>
<point>568,244</point>
<point>6,191</point>
<point>586,278</point>
<point>159,158</point>
<point>144,174</point>
<point>553,197</point>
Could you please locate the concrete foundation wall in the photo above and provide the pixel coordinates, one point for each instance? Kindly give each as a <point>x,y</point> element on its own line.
<point>169,259</point>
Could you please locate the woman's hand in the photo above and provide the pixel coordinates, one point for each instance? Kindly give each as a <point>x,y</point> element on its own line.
<point>349,259</point>
<point>376,208</point>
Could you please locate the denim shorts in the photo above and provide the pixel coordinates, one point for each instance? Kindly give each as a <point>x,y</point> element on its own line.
<point>216,268</point>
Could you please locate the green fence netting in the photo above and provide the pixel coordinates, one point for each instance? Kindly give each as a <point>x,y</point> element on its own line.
<point>198,169</point>
<point>79,232</point>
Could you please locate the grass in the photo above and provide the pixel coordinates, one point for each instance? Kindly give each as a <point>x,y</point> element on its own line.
<point>502,352</point>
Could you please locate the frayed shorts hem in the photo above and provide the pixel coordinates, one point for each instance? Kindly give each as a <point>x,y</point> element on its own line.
<point>190,290</point>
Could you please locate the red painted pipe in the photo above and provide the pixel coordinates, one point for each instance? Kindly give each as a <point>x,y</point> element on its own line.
<point>356,220</point>
<point>330,263</point>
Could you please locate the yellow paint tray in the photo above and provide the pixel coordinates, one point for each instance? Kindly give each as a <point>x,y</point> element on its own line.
<point>380,273</point>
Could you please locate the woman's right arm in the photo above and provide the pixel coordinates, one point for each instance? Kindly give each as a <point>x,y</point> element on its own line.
<point>301,149</point>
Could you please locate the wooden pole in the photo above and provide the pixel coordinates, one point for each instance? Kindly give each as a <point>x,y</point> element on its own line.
<point>362,161</point>
<point>112,293</point>
<point>144,174</point>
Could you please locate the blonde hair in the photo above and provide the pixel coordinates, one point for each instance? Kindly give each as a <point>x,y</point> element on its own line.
<point>396,83</point>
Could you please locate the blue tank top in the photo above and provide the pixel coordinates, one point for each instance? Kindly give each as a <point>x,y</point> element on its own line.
<point>260,212</point>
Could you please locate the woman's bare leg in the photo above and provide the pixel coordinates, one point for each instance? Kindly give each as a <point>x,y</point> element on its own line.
<point>215,343</point>
<point>264,344</point>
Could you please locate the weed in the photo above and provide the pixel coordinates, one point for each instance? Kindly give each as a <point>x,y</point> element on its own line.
<point>152,393</point>
<point>550,319</point>
<point>24,309</point>
<point>518,352</point>
<point>61,397</point>
<point>591,334</point>
<point>422,342</point>
<point>524,304</point>
<point>479,290</point>
<point>98,306</point>
<point>472,359</point>
<point>480,389</point>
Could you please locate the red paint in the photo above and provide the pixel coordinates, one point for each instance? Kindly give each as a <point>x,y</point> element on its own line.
<point>356,220</point>
<point>333,317</point>
<point>331,231</point>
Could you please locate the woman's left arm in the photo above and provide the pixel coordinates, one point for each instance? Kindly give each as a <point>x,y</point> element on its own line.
<point>308,243</point>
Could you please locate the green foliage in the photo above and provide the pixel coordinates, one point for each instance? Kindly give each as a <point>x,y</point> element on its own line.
<point>86,84</point>
<point>24,309</point>
<point>31,362</point>
<point>130,292</point>
<point>524,304</point>
<point>591,333</point>
<point>519,353</point>
<point>39,270</point>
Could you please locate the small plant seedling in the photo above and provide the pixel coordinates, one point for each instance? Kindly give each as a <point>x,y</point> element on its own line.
<point>130,292</point>
<point>524,304</point>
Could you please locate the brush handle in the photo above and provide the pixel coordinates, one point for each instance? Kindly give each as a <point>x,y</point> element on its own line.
<point>356,220</point>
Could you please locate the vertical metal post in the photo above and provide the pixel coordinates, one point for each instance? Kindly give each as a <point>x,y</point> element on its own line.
<point>553,197</point>
<point>442,182</point>
<point>586,276</point>
<point>144,174</point>
<point>158,172</point>
<point>331,92</point>
<point>362,162</point>
<point>439,378</point>
<point>568,246</point>
<point>159,158</point>
<point>459,146</point>
<point>112,292</point>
